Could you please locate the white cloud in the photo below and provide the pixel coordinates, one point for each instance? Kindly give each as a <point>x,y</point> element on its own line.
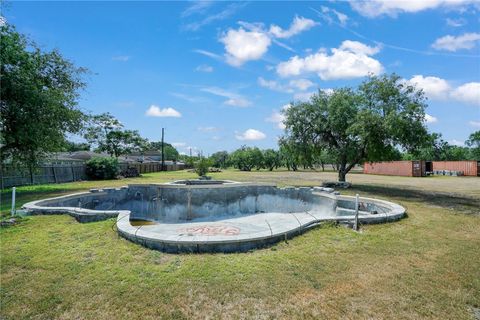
<point>250,135</point>
<point>456,142</point>
<point>439,89</point>
<point>341,17</point>
<point>179,144</point>
<point>242,46</point>
<point>251,41</point>
<point>434,88</point>
<point>327,91</point>
<point>474,124</point>
<point>204,68</point>
<point>224,14</point>
<point>207,129</point>
<point>298,25</point>
<point>273,85</point>
<point>358,47</point>
<point>452,43</point>
<point>306,96</point>
<point>234,99</point>
<point>238,102</point>
<point>430,118</point>
<point>121,58</point>
<point>303,96</point>
<point>468,93</point>
<point>351,60</point>
<point>196,8</point>
<point>191,99</point>
<point>155,111</point>
<point>375,8</point>
<point>301,84</point>
<point>209,54</point>
<point>295,84</point>
<point>278,117</point>
<point>456,22</point>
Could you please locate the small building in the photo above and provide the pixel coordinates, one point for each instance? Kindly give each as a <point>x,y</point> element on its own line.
<point>422,168</point>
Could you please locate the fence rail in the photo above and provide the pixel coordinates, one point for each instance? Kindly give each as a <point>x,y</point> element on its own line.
<point>59,173</point>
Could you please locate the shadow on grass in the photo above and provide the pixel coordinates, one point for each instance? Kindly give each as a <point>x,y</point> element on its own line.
<point>465,204</point>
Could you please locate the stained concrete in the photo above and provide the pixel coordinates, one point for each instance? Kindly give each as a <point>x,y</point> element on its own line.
<point>214,218</point>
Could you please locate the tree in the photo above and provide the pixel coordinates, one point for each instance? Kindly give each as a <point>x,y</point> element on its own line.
<point>98,128</point>
<point>434,148</point>
<point>40,92</point>
<point>220,159</point>
<point>107,133</point>
<point>366,124</point>
<point>189,161</point>
<point>437,149</point>
<point>474,143</point>
<point>246,158</point>
<point>288,154</point>
<point>120,142</point>
<point>327,157</point>
<point>271,159</point>
<point>458,153</point>
<point>70,146</point>
<point>170,152</point>
<point>257,157</point>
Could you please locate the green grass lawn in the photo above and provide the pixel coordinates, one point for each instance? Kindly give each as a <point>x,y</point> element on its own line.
<point>424,266</point>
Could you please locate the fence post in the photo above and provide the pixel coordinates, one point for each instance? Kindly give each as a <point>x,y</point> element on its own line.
<point>54,174</point>
<point>13,200</point>
<point>1,177</point>
<point>356,212</point>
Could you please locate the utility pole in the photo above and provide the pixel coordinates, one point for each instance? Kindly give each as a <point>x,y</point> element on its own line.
<point>163,149</point>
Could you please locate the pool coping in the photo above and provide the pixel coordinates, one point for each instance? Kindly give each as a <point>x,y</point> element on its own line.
<point>205,244</point>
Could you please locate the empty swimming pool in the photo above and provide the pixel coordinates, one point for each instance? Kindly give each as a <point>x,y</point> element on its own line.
<point>214,217</point>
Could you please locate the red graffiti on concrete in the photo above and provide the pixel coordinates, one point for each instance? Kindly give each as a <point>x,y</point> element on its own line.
<point>210,230</point>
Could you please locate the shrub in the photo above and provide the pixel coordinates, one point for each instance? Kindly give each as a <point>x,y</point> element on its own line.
<point>201,166</point>
<point>102,168</point>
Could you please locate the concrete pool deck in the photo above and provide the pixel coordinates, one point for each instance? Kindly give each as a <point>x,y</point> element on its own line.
<point>236,233</point>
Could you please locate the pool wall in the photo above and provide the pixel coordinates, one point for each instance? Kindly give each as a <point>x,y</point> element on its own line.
<point>168,203</point>
<point>263,214</point>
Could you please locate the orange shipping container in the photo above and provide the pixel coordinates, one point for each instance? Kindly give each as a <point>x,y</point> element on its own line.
<point>469,168</point>
<point>390,168</point>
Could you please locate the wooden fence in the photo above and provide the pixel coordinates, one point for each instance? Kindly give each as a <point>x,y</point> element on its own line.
<point>151,167</point>
<point>59,173</point>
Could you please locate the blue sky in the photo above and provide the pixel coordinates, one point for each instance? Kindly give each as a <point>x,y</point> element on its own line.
<point>217,74</point>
